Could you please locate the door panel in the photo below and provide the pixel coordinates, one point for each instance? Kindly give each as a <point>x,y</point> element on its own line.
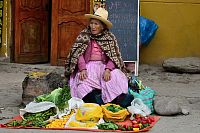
<point>31,31</point>
<point>67,22</point>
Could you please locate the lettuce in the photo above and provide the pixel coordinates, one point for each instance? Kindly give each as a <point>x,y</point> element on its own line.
<point>59,97</point>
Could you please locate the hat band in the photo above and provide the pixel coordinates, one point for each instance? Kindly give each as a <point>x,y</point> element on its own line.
<point>97,15</point>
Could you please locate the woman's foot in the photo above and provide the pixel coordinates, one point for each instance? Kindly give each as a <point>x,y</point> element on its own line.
<point>124,100</point>
<point>93,97</point>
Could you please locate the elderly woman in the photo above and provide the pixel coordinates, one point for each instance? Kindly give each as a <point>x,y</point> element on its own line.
<point>95,65</point>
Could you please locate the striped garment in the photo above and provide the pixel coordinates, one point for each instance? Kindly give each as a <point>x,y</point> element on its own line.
<point>110,89</point>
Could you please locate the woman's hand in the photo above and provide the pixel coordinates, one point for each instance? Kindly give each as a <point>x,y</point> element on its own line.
<point>83,74</point>
<point>106,75</point>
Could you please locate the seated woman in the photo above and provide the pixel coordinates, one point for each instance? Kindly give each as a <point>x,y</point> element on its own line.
<point>96,69</point>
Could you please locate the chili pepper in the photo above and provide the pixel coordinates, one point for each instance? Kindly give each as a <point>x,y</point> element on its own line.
<point>145,125</point>
<point>123,129</point>
<point>129,128</point>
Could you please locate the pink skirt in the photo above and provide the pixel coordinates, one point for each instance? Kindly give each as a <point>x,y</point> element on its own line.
<point>110,89</point>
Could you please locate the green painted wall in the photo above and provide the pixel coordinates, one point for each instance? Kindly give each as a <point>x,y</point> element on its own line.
<point>178,34</point>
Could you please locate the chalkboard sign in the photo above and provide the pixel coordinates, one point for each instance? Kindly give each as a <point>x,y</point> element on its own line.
<point>124,16</point>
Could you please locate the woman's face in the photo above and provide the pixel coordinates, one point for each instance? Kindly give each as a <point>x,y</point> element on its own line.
<point>96,26</point>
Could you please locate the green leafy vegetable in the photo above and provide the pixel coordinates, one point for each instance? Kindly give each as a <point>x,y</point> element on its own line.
<point>108,126</point>
<point>59,96</point>
<point>34,119</point>
<point>114,108</point>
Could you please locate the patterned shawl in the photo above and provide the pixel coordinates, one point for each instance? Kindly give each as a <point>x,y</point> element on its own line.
<point>107,42</point>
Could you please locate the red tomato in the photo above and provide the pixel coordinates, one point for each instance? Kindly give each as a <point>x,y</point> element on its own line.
<point>144,122</point>
<point>152,119</point>
<point>138,120</point>
<point>149,121</point>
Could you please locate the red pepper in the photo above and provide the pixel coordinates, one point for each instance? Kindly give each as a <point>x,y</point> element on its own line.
<point>136,126</point>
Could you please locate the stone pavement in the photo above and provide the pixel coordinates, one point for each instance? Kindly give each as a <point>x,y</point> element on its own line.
<point>184,86</point>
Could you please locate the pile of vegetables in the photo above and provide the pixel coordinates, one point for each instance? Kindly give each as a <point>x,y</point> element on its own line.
<point>141,122</point>
<point>113,108</point>
<point>138,123</point>
<point>34,119</point>
<point>107,126</point>
<point>60,123</point>
<point>59,97</point>
<point>114,112</point>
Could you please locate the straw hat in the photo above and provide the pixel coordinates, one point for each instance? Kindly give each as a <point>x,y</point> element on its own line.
<point>102,15</point>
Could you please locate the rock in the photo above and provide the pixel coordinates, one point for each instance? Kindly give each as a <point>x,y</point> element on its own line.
<point>171,105</point>
<point>38,83</point>
<point>182,65</point>
<point>4,59</point>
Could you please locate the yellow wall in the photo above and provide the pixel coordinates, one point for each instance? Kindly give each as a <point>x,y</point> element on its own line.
<point>178,34</point>
<point>4,50</point>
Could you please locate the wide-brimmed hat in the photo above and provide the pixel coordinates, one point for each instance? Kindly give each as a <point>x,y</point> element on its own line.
<point>102,15</point>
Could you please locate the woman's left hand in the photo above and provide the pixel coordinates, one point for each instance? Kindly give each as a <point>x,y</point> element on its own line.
<point>106,75</point>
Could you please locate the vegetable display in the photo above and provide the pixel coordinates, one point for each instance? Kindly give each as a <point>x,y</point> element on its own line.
<point>114,108</point>
<point>87,115</point>
<point>107,126</point>
<point>114,112</point>
<point>60,123</point>
<point>138,123</point>
<point>59,96</point>
<point>34,119</point>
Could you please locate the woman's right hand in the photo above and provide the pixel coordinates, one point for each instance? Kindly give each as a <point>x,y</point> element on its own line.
<point>83,74</point>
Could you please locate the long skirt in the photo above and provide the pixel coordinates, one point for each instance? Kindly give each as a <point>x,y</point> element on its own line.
<point>117,85</point>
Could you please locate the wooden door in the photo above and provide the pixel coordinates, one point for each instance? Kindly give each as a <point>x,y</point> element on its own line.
<point>31,31</point>
<point>67,21</point>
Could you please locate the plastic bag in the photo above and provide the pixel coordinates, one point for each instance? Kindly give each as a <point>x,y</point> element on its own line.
<point>114,116</point>
<point>72,122</point>
<point>34,107</point>
<point>75,103</point>
<point>89,112</point>
<point>146,95</point>
<point>138,107</point>
<point>147,30</point>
